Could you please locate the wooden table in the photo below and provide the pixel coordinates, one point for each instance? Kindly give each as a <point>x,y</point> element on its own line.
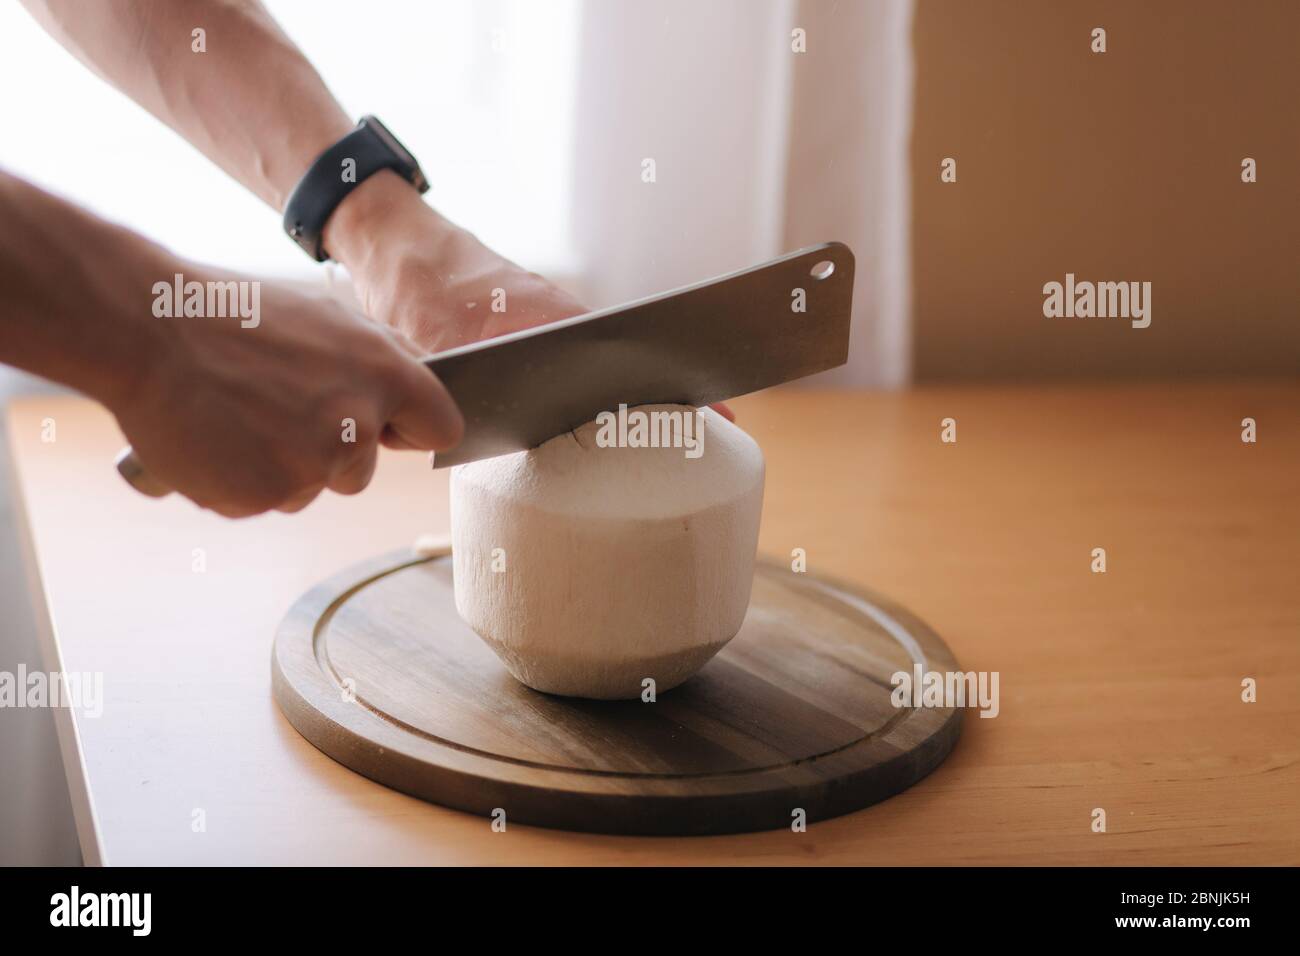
<point>1119,690</point>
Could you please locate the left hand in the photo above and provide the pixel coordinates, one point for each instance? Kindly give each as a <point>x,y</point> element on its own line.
<point>429,279</point>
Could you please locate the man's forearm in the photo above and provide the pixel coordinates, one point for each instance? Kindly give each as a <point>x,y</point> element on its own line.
<point>251,102</point>
<point>77,297</point>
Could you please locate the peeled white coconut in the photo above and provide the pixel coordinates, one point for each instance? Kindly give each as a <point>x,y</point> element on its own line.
<point>589,569</point>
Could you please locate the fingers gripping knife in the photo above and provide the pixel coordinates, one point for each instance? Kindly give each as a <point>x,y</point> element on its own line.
<point>699,344</point>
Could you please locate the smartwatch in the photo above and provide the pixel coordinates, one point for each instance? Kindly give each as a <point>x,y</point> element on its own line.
<point>339,170</point>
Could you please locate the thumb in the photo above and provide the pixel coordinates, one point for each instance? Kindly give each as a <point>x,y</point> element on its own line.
<point>425,416</point>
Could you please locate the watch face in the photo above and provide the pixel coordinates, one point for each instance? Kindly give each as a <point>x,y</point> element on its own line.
<point>391,141</point>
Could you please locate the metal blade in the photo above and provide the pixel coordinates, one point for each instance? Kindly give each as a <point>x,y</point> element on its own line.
<point>699,344</point>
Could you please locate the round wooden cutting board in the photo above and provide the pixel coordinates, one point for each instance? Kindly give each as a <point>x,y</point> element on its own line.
<point>375,668</point>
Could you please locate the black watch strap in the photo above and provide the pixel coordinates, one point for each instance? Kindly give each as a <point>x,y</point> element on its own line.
<point>339,170</point>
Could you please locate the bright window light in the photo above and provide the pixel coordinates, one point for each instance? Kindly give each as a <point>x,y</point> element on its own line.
<point>482,92</point>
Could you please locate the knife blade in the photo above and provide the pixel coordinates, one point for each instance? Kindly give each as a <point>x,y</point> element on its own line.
<point>699,344</point>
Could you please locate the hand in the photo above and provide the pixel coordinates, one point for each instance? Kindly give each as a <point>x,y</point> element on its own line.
<point>243,420</point>
<point>418,273</point>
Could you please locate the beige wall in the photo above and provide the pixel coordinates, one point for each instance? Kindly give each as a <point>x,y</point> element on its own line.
<point>1124,165</point>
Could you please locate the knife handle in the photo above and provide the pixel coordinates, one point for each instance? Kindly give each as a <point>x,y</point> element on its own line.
<point>132,469</point>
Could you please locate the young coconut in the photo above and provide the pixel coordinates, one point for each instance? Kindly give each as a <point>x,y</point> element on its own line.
<point>589,569</point>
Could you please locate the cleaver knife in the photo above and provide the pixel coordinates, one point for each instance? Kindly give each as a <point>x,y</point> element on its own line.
<point>696,345</point>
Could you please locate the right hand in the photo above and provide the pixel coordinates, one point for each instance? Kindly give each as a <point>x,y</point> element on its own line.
<point>245,420</point>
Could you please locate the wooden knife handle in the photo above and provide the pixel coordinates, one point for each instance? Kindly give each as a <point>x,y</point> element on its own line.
<point>130,468</point>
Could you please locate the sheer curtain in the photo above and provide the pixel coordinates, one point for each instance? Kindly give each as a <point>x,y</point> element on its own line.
<point>758,150</point>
